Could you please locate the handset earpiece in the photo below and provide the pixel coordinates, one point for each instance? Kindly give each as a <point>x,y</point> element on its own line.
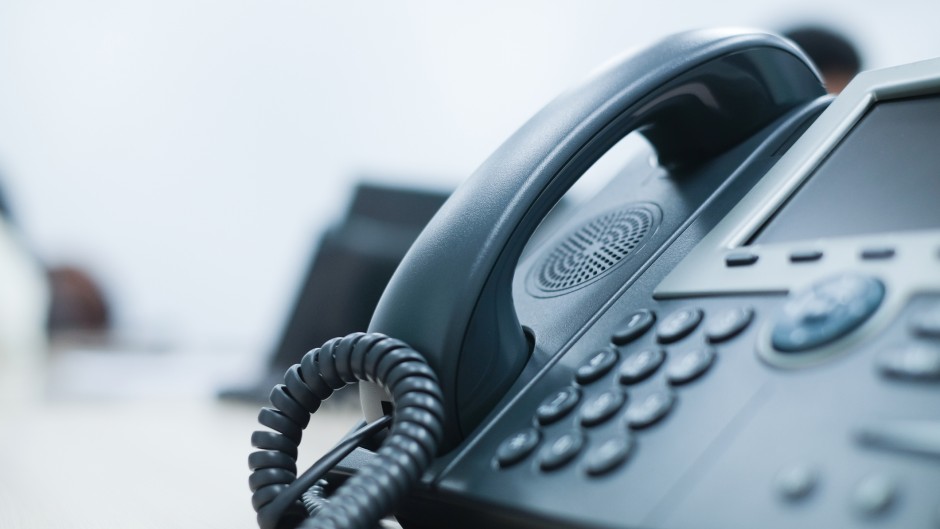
<point>692,95</point>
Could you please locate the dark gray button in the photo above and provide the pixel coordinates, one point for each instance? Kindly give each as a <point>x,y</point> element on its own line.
<point>678,325</point>
<point>639,365</point>
<point>649,409</point>
<point>517,446</point>
<point>926,323</point>
<point>636,325</point>
<point>597,366</point>
<point>561,451</point>
<point>740,259</point>
<point>911,361</point>
<point>609,455</point>
<point>689,365</point>
<point>877,253</point>
<point>873,495</point>
<point>826,311</point>
<point>727,324</point>
<point>912,437</point>
<point>557,405</point>
<point>602,407</point>
<point>796,482</point>
<point>805,256</point>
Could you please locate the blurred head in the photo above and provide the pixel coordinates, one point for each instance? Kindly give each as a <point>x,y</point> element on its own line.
<point>834,54</point>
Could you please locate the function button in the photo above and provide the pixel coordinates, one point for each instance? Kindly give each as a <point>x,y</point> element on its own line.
<point>878,253</point>
<point>873,495</point>
<point>640,364</point>
<point>796,482</point>
<point>805,256</point>
<point>727,324</point>
<point>740,259</point>
<point>602,407</point>
<point>926,323</point>
<point>596,366</point>
<point>914,437</point>
<point>561,451</point>
<point>517,447</point>
<point>678,325</point>
<point>686,367</point>
<point>911,361</point>
<point>636,325</point>
<point>826,311</point>
<point>650,409</point>
<point>557,405</point>
<point>609,455</point>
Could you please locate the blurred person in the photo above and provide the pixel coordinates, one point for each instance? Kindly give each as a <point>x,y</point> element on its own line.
<point>836,56</point>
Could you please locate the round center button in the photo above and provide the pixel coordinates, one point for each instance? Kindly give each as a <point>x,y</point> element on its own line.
<point>826,311</point>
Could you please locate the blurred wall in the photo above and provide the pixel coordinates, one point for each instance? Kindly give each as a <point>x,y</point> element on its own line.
<point>188,153</point>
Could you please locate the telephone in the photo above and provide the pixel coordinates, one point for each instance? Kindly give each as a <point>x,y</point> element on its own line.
<point>745,333</point>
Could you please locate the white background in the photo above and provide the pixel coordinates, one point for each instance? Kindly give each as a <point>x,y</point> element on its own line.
<point>189,152</point>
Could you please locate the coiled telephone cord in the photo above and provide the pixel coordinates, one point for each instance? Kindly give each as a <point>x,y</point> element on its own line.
<point>407,451</point>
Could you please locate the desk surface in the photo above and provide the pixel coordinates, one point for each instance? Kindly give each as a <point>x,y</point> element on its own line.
<point>146,461</point>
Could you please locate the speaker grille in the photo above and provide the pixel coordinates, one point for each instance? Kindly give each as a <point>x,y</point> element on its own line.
<point>594,249</point>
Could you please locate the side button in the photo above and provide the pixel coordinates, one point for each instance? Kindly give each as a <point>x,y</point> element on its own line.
<point>873,495</point>
<point>915,437</point>
<point>740,259</point>
<point>911,361</point>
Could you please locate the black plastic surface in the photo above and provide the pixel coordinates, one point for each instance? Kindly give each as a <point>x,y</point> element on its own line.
<point>896,189</point>
<point>693,96</point>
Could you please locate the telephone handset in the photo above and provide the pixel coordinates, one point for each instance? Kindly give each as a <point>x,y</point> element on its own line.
<point>655,350</point>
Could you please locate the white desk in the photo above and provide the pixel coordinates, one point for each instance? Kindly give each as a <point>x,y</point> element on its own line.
<point>146,461</point>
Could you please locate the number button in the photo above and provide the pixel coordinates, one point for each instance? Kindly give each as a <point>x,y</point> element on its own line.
<point>689,365</point>
<point>637,324</point>
<point>609,455</point>
<point>517,447</point>
<point>596,366</point>
<point>639,365</point>
<point>563,450</point>
<point>650,409</point>
<point>602,407</point>
<point>678,325</point>
<point>557,405</point>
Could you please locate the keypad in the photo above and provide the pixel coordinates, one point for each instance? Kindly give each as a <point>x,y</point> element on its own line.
<point>517,447</point>
<point>602,407</point>
<point>727,324</point>
<point>678,325</point>
<point>648,410</point>
<point>561,451</point>
<point>557,405</point>
<point>608,455</point>
<point>689,365</point>
<point>640,365</point>
<point>636,325</point>
<point>597,366</point>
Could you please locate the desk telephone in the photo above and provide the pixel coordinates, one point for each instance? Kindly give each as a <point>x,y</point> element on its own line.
<point>745,333</point>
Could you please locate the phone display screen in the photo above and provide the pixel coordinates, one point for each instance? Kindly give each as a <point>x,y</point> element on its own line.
<point>883,177</point>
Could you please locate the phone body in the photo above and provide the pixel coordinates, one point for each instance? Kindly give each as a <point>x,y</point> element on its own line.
<point>745,335</point>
